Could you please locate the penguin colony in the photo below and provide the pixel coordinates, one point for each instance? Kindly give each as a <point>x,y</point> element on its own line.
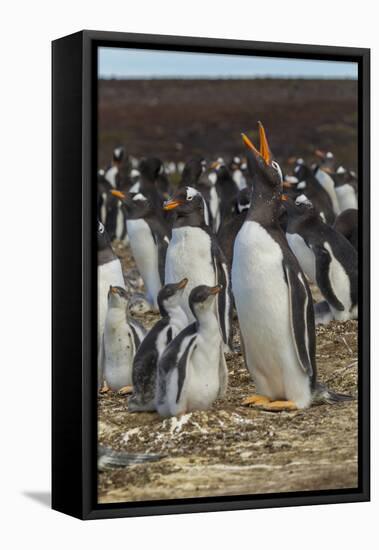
<point>231,238</point>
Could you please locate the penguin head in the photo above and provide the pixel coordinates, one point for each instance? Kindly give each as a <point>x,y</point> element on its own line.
<point>150,168</point>
<point>118,154</point>
<point>327,160</point>
<point>136,206</point>
<point>261,165</point>
<point>201,299</point>
<point>186,201</point>
<point>299,207</point>
<point>170,295</point>
<point>192,171</point>
<point>117,297</point>
<point>103,240</point>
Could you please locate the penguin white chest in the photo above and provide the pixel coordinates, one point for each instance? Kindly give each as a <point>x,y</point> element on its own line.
<point>346,197</point>
<point>145,253</point>
<point>262,301</point>
<point>303,253</point>
<point>189,255</point>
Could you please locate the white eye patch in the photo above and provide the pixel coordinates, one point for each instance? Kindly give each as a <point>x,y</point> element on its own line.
<point>303,199</point>
<point>191,193</point>
<point>341,170</point>
<point>139,197</point>
<point>134,173</point>
<point>100,227</point>
<point>300,161</point>
<point>329,155</point>
<point>301,185</point>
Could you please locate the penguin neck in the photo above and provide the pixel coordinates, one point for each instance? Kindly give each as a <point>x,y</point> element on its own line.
<point>194,219</point>
<point>264,205</point>
<point>207,321</point>
<point>177,317</point>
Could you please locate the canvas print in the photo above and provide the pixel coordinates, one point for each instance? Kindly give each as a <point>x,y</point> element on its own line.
<point>227,236</point>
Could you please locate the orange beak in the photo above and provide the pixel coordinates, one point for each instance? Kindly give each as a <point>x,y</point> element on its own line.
<point>264,147</point>
<point>172,204</point>
<point>264,151</point>
<point>284,197</point>
<point>183,283</point>
<point>216,289</point>
<point>118,194</point>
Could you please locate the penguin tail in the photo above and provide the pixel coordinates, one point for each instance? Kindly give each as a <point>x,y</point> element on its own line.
<point>109,459</point>
<point>322,395</point>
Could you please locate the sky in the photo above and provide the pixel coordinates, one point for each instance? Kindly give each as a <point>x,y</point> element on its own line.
<point>129,63</point>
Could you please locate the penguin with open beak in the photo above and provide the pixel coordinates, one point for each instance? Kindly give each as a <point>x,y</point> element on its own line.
<point>145,364</point>
<point>272,297</point>
<point>194,253</point>
<point>192,371</point>
<point>149,236</point>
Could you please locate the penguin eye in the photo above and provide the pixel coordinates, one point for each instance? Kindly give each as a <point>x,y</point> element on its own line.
<point>100,227</point>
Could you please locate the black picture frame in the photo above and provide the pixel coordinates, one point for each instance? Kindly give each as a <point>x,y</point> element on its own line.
<point>74,150</point>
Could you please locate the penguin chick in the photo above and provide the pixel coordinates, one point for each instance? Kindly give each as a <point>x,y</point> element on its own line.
<point>192,371</point>
<point>122,337</point>
<point>109,272</point>
<point>173,320</point>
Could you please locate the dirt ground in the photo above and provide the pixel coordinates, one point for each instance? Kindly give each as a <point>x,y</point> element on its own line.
<point>233,449</point>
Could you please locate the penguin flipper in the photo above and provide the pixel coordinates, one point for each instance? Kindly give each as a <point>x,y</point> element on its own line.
<point>162,245</point>
<point>300,300</point>
<point>224,298</point>
<point>182,365</point>
<point>323,260</point>
<point>223,373</point>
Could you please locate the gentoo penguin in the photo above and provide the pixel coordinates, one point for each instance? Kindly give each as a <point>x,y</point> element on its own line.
<point>325,256</point>
<point>192,371</point>
<point>144,375</point>
<point>326,181</point>
<point>347,224</point>
<point>115,223</point>
<point>149,237</point>
<point>304,181</point>
<point>227,191</point>
<point>235,168</point>
<point>153,182</point>
<point>103,189</point>
<point>229,230</point>
<point>196,175</point>
<point>272,297</point>
<point>121,340</point>
<point>346,188</point>
<point>194,253</point>
<point>109,272</point>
